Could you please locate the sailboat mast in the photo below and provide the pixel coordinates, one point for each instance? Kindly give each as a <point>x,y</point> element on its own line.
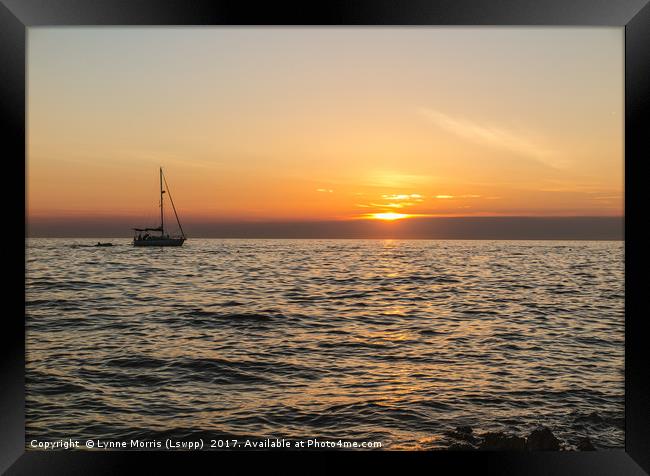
<point>162,219</point>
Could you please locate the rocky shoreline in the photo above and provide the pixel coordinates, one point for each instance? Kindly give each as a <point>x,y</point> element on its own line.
<point>541,438</point>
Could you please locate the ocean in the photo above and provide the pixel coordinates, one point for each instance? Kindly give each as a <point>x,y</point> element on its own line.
<point>399,342</point>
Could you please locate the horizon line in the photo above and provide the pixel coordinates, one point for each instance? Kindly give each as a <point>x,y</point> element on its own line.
<point>327,238</point>
<point>479,228</point>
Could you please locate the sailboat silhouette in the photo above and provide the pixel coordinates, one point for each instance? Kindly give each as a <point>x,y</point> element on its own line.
<point>163,239</point>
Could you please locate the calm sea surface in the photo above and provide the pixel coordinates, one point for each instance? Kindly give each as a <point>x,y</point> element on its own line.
<point>391,341</point>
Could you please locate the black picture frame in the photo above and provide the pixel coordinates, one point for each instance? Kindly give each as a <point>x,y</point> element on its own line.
<point>634,15</point>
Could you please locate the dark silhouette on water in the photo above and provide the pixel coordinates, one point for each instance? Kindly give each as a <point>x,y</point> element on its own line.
<point>540,438</point>
<point>163,239</point>
<point>433,228</point>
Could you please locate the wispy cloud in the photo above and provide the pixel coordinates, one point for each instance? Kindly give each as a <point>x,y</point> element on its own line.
<point>395,200</point>
<point>494,136</point>
<point>456,196</point>
<point>414,196</point>
<point>165,158</point>
<point>393,204</point>
<point>325,190</point>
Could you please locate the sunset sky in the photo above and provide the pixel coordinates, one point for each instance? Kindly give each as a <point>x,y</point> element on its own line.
<point>329,124</point>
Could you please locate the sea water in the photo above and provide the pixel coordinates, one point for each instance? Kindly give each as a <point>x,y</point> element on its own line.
<point>391,341</point>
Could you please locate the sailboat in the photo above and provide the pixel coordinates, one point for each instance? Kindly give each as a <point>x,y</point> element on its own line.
<point>163,239</point>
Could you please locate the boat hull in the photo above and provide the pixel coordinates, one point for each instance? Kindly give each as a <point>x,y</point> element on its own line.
<point>160,242</point>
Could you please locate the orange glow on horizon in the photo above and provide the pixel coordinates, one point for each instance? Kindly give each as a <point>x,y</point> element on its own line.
<point>389,216</point>
<point>461,126</point>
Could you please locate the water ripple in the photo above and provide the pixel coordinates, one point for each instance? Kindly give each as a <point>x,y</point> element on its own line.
<point>400,341</point>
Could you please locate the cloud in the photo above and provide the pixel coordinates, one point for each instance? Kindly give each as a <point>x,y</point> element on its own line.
<point>392,205</point>
<point>456,196</point>
<point>325,190</point>
<point>162,158</point>
<point>402,196</point>
<point>497,137</point>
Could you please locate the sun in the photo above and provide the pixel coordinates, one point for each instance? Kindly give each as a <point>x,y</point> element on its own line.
<point>389,216</point>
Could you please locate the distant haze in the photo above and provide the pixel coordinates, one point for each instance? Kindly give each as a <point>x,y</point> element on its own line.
<point>489,228</point>
<point>327,132</point>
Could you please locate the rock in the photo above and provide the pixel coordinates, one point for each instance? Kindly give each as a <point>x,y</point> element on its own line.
<point>461,447</point>
<point>542,439</point>
<point>464,434</point>
<point>585,444</point>
<point>501,441</point>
